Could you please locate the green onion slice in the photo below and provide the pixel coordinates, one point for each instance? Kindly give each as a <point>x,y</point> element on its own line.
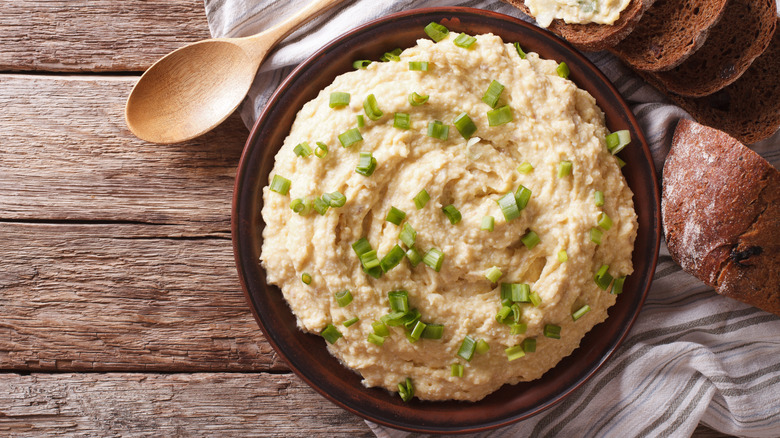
<point>418,65</point>
<point>335,199</point>
<point>418,329</point>
<point>401,121</point>
<point>536,300</point>
<point>467,348</point>
<point>579,313</point>
<point>487,223</point>
<point>395,216</point>
<point>306,278</point>
<point>339,99</point>
<point>529,345</point>
<point>297,205</point>
<point>493,274</point>
<point>602,277</point>
<point>361,120</point>
<point>391,56</point>
<point>361,63</point>
<point>350,321</point>
<point>522,196</point>
<point>598,198</point>
<point>436,31</point>
<point>525,168</point>
<point>482,347</point>
<point>617,140</point>
<point>408,235</point>
<point>552,331</point>
<point>492,95</point>
<point>376,339</point>
<point>563,70</point>
<point>617,286</point>
<point>361,246</point>
<point>366,164</point>
<point>530,239</point>
<point>414,257</point>
<point>595,235</point>
<point>519,50</point>
<point>434,258</point>
<point>416,99</point>
<point>564,168</point>
<point>321,206</point>
<point>500,116</point>
<point>563,256</point>
<point>517,328</point>
<point>437,129</point>
<point>410,318</point>
<point>521,293</point>
<point>465,41</point>
<point>350,137</point>
<point>280,185</point>
<point>398,300</point>
<point>302,150</point>
<point>620,162</point>
<point>421,198</point>
<point>321,150</point>
<point>604,221</point>
<point>452,214</point>
<point>406,390</point>
<point>344,297</point>
<point>380,329</point>
<point>465,125</point>
<point>433,331</point>
<point>392,258</point>
<point>508,204</point>
<point>503,314</point>
<point>515,352</point>
<point>369,259</point>
<point>456,370</point>
<point>331,333</point>
<point>371,107</point>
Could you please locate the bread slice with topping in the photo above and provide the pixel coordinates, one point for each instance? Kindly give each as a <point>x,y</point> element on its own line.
<point>721,214</point>
<point>670,32</point>
<point>593,37</point>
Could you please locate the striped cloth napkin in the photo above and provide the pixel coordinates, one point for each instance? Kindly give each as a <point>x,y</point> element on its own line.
<point>692,356</point>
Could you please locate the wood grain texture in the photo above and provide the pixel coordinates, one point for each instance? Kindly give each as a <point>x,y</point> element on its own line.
<point>134,405</point>
<point>95,35</point>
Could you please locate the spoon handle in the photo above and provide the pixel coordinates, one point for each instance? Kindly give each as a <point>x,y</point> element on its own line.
<point>259,45</point>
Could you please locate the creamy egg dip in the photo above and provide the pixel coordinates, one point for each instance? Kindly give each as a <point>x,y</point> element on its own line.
<point>576,11</point>
<point>450,220</point>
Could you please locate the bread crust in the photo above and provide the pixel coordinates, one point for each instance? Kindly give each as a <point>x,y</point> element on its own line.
<point>593,37</point>
<point>721,214</point>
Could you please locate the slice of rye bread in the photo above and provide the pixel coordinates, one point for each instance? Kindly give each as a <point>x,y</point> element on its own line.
<point>743,34</point>
<point>748,109</point>
<point>670,32</point>
<point>593,37</point>
<point>721,214</point>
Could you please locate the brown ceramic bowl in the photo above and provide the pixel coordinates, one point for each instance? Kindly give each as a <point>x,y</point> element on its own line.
<point>306,354</point>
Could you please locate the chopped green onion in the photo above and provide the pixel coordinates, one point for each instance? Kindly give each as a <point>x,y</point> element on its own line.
<point>361,63</point>
<point>465,125</point>
<point>321,206</point>
<point>434,259</point>
<point>456,370</point>
<point>395,216</point>
<point>503,314</point>
<point>500,116</point>
<point>602,277</point>
<point>519,50</point>
<point>433,331</point>
<point>391,56</point>
<point>552,331</point>
<point>398,300</point>
<point>371,107</point>
<point>361,246</point>
<point>493,274</point>
<point>521,293</point>
<point>380,329</point>
<point>452,214</point>
<point>482,347</point>
<point>306,278</point>
<point>529,345</point>
<point>344,297</point>
<point>506,292</point>
<point>595,235</point>
<point>393,319</point>
<point>436,31</point>
<point>564,168</point>
<point>522,196</point>
<point>508,204</point>
<point>335,199</point>
<point>361,120</point>
<point>517,312</point>
<point>525,168</point>
<point>467,348</point>
<point>617,140</point>
<point>418,65</point>
<point>416,99</point>
<point>392,258</point>
<point>350,137</point>
<point>492,95</point>
<point>617,286</point>
<point>401,121</point>
<point>620,162</point>
<point>408,235</point>
<point>376,339</point>
<point>297,205</point>
<point>515,352</point>
<point>418,329</point>
<point>331,333</point>
<point>530,239</point>
<point>437,129</point>
<point>579,313</point>
<point>604,221</point>
<point>321,150</point>
<point>339,99</point>
<point>465,41</point>
<point>414,257</point>
<point>369,259</point>
<point>280,185</point>
<point>366,164</point>
<point>406,390</point>
<point>563,70</point>
<point>487,223</point>
<point>517,328</point>
<point>536,300</point>
<point>563,256</point>
<point>410,318</point>
<point>350,321</point>
<point>421,198</point>
<point>598,198</point>
<point>302,150</point>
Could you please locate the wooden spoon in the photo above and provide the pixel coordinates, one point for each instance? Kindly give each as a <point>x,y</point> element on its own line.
<point>193,89</point>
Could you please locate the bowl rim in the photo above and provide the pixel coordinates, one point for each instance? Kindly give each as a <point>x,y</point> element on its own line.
<point>452,11</point>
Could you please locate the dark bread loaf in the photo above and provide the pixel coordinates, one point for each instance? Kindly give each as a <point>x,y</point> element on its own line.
<point>593,37</point>
<point>721,214</point>
<point>743,34</point>
<point>670,32</point>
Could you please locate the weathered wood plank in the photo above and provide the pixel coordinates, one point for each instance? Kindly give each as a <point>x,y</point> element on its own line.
<point>67,155</point>
<point>95,35</point>
<point>123,297</point>
<point>132,405</point>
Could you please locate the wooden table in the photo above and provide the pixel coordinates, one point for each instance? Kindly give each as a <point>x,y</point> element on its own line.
<point>120,307</point>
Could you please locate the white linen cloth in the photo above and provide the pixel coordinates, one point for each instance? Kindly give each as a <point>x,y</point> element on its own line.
<point>692,356</point>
